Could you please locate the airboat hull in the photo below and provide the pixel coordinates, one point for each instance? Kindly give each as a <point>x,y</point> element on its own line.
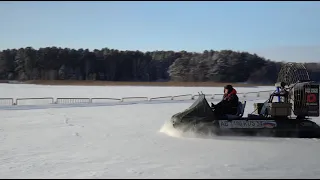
<point>199,118</point>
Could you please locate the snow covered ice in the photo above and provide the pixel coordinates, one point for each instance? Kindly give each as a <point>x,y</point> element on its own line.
<point>133,141</point>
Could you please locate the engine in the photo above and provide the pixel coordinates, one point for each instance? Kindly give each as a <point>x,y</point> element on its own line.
<point>305,99</point>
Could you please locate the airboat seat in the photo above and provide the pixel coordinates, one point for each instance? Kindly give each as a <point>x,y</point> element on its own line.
<point>240,111</point>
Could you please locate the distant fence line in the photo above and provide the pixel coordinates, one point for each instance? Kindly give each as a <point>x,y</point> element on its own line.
<point>75,100</point>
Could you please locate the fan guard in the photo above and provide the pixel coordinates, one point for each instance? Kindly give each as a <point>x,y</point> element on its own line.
<point>292,73</point>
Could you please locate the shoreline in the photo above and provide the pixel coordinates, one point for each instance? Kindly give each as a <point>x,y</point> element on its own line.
<point>133,83</point>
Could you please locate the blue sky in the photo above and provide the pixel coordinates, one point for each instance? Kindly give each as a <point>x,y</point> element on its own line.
<point>287,31</point>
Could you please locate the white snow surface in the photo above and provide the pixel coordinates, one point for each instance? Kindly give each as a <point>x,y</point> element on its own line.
<point>134,141</point>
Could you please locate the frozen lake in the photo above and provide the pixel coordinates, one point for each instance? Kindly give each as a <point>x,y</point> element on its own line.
<point>133,141</point>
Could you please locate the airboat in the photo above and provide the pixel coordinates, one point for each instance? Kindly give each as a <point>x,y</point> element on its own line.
<point>286,113</point>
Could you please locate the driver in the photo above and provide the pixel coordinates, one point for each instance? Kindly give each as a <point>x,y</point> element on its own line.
<point>229,103</point>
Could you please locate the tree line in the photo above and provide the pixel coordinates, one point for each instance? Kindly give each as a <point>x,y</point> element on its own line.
<point>53,63</point>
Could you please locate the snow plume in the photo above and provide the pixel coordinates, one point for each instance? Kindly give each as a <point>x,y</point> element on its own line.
<point>187,131</point>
